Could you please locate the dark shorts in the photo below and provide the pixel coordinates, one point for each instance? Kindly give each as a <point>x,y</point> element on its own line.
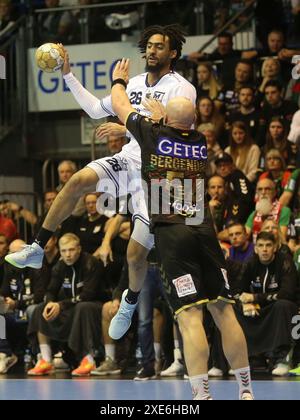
<point>193,267</point>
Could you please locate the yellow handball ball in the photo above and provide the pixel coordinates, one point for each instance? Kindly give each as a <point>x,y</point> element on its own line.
<point>49,57</point>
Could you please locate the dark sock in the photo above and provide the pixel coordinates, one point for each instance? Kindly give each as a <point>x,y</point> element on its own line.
<point>43,237</point>
<point>132,297</point>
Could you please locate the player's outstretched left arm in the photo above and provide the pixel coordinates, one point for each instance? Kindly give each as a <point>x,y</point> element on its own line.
<point>120,101</point>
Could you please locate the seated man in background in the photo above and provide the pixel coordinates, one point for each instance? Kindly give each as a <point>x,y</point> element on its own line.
<point>91,226</point>
<point>49,197</point>
<point>268,296</point>
<point>224,53</point>
<point>228,98</point>
<point>275,105</point>
<point>224,206</point>
<point>72,312</point>
<point>267,208</point>
<point>22,290</point>
<point>239,192</point>
<point>115,144</point>
<point>241,248</point>
<point>248,114</point>
<point>65,170</point>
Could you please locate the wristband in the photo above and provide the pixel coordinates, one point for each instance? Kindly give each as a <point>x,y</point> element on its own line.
<point>119,82</point>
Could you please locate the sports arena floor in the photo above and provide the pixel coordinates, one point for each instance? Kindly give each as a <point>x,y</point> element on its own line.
<point>61,387</point>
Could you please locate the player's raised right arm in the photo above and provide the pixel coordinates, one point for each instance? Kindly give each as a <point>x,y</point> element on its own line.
<point>94,107</point>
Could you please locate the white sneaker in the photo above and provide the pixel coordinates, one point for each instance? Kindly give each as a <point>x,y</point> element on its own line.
<point>247,396</point>
<point>121,322</point>
<point>231,372</point>
<point>281,369</point>
<point>215,373</point>
<point>176,368</point>
<point>30,256</point>
<point>6,362</point>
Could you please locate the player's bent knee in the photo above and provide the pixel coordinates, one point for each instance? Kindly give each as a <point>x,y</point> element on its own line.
<point>136,255</point>
<point>84,179</point>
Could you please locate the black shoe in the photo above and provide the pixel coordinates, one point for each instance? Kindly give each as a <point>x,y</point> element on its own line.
<point>145,374</point>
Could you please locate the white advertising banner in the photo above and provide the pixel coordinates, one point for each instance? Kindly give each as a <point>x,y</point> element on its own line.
<point>92,64</point>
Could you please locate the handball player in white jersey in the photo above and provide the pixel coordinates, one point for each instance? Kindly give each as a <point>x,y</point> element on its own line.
<point>161,47</point>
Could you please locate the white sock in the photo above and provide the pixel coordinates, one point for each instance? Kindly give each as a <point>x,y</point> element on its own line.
<point>157,350</point>
<point>177,354</point>
<point>200,387</point>
<point>90,358</point>
<point>46,352</point>
<point>243,376</point>
<point>110,351</point>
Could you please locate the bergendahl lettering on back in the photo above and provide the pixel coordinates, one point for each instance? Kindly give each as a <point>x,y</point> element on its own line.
<point>112,410</point>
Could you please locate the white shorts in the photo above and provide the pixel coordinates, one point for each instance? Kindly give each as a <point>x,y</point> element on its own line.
<point>119,176</point>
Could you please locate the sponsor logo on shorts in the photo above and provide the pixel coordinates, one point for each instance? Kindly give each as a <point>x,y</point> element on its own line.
<point>170,147</point>
<point>185,286</point>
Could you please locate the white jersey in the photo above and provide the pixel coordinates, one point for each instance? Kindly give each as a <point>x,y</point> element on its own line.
<point>170,86</point>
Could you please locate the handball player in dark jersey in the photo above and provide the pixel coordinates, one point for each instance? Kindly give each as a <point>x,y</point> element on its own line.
<point>192,263</point>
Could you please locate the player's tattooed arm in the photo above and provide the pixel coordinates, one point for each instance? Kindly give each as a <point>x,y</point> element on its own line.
<point>120,101</point>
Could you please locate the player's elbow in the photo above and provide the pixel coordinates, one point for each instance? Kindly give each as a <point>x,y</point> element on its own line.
<point>94,113</point>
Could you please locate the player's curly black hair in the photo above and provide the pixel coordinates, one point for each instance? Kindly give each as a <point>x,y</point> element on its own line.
<point>175,33</point>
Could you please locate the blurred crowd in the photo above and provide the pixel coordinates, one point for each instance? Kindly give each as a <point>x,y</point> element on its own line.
<point>64,26</point>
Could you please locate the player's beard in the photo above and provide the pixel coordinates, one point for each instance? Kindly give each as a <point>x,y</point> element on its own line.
<point>154,68</point>
<point>157,67</point>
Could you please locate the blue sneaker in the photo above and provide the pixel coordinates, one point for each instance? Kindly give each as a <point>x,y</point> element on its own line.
<point>121,322</point>
<point>30,256</point>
